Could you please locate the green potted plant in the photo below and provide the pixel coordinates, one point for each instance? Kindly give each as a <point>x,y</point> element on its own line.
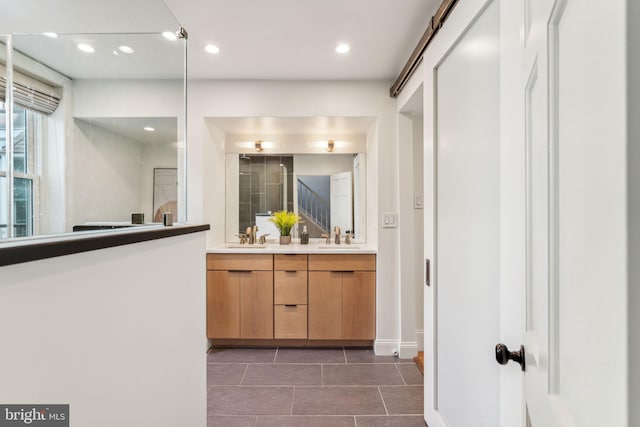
<point>284,221</point>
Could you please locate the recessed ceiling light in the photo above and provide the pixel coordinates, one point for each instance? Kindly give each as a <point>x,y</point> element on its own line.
<point>211,48</point>
<point>170,35</point>
<point>125,49</point>
<point>51,35</point>
<point>86,48</point>
<point>343,48</point>
<point>149,129</point>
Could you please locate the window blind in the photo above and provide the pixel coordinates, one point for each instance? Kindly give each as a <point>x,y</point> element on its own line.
<point>30,93</point>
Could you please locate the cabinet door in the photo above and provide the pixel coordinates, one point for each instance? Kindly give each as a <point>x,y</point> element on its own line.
<point>223,304</point>
<point>359,305</point>
<point>325,305</point>
<point>256,309</point>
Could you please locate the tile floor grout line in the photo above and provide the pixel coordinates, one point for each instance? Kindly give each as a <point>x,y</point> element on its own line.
<point>246,368</point>
<point>383,403</point>
<point>401,376</point>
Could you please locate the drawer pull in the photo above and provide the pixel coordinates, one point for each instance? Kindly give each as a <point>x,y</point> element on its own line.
<point>240,271</point>
<point>291,271</point>
<point>343,271</point>
<point>291,305</point>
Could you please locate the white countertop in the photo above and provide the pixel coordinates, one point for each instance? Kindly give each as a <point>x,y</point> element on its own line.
<point>293,248</point>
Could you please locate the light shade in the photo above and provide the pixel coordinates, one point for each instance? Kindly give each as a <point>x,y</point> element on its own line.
<point>331,145</point>
<point>258,146</point>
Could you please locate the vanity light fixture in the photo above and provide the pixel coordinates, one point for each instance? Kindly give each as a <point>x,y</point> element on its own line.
<point>212,49</point>
<point>50,35</point>
<point>126,49</point>
<point>86,47</point>
<point>331,145</point>
<point>149,129</point>
<point>343,48</point>
<point>170,35</point>
<point>258,145</point>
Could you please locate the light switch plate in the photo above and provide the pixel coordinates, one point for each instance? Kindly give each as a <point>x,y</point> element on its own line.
<point>417,202</point>
<point>389,219</point>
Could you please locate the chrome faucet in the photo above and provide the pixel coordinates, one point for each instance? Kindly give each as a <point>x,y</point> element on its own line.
<point>336,230</point>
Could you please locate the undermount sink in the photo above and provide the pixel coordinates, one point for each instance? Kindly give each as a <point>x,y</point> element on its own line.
<point>338,247</point>
<point>245,246</point>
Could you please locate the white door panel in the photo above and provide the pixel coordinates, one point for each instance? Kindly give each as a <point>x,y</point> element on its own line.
<point>467,236</point>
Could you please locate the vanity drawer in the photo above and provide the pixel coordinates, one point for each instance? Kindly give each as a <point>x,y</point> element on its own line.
<point>342,262</point>
<point>290,287</point>
<point>290,262</point>
<point>290,321</point>
<point>245,262</point>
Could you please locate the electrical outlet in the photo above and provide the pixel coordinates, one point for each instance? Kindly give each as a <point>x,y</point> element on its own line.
<point>389,219</point>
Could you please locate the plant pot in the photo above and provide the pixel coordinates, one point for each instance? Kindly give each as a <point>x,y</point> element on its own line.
<point>285,240</point>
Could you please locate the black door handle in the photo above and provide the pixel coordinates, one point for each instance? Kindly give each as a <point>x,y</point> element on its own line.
<point>503,355</point>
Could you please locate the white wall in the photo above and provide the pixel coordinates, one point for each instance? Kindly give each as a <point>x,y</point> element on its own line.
<point>310,164</point>
<point>104,171</point>
<point>118,333</point>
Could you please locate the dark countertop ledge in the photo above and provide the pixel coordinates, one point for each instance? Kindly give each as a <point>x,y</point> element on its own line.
<point>19,251</point>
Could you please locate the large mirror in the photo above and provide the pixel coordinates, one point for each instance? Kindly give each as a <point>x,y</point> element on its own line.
<point>324,190</point>
<point>314,166</point>
<point>96,132</point>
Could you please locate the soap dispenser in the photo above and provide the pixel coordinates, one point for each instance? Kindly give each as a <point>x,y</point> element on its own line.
<point>304,237</point>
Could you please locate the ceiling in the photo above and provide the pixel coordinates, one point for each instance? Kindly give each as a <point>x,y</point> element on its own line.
<point>165,128</point>
<point>258,39</point>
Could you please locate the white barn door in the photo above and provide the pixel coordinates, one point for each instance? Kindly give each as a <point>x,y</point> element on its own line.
<point>461,376</point>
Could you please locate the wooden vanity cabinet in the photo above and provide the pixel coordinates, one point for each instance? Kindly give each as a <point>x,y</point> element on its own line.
<point>240,296</point>
<point>342,296</point>
<point>290,296</point>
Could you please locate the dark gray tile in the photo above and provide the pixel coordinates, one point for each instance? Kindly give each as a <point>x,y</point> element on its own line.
<point>391,421</point>
<point>411,374</point>
<point>258,178</point>
<point>403,399</point>
<point>258,204</point>
<point>274,198</point>
<point>242,355</point>
<point>244,189</point>
<point>244,212</point>
<point>367,356</point>
<point>273,374</point>
<point>244,400</point>
<point>231,421</point>
<point>224,373</point>
<point>361,374</point>
<point>337,401</point>
<point>245,164</point>
<point>274,171</point>
<point>257,159</point>
<point>306,420</point>
<point>287,161</point>
<point>305,355</point>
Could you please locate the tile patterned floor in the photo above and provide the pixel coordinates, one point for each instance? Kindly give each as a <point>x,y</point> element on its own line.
<point>282,387</point>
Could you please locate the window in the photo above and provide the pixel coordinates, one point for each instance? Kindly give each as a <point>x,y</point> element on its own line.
<point>27,129</point>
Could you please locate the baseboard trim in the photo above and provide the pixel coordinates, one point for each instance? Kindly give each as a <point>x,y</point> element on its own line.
<point>408,350</point>
<point>385,347</point>
<point>420,339</point>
